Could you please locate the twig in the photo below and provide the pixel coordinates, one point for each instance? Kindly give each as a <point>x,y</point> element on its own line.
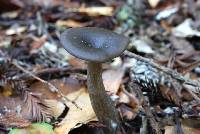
<point>150,116</point>
<point>190,67</point>
<point>143,129</point>
<point>51,86</point>
<point>41,73</point>
<point>168,71</point>
<point>179,128</point>
<point>191,92</point>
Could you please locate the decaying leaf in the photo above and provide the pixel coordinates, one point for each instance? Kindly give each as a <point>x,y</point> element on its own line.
<point>171,95</point>
<point>65,85</point>
<point>185,29</point>
<point>166,13</point>
<point>12,120</point>
<point>27,105</point>
<point>81,114</point>
<point>70,23</point>
<point>92,127</point>
<point>141,46</point>
<point>127,113</point>
<point>94,11</point>
<point>36,108</point>
<point>16,30</point>
<point>30,36</point>
<point>153,3</point>
<point>112,79</point>
<point>56,108</point>
<point>37,43</point>
<point>186,129</point>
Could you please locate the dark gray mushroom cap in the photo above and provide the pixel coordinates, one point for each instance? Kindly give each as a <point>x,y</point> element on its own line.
<point>93,44</point>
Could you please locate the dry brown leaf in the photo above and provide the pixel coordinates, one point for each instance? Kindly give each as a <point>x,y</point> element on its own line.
<point>112,79</point>
<point>123,98</point>
<point>70,23</point>
<point>170,130</point>
<point>165,25</point>
<point>95,11</point>
<point>77,63</point>
<point>11,119</point>
<point>24,103</point>
<point>186,129</point>
<point>153,3</point>
<point>171,95</point>
<point>15,30</point>
<point>34,109</point>
<point>189,130</point>
<point>38,42</point>
<point>92,127</point>
<point>75,115</point>
<point>126,112</point>
<point>55,107</point>
<point>134,102</point>
<point>66,85</point>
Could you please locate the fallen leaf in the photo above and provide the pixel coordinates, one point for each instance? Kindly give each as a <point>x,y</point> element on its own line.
<point>57,108</point>
<point>81,114</point>
<point>153,3</point>
<point>16,30</point>
<point>181,45</point>
<point>189,130</point>
<point>49,46</point>
<point>185,29</point>
<point>166,25</point>
<point>134,102</point>
<point>77,63</point>
<point>69,23</point>
<point>112,79</point>
<point>126,112</point>
<point>186,129</point>
<point>30,108</point>
<point>38,42</point>
<point>123,98</point>
<point>92,127</point>
<point>11,119</point>
<point>166,13</point>
<point>10,15</point>
<point>95,11</point>
<point>65,85</point>
<point>53,99</point>
<point>141,46</point>
<point>170,130</point>
<point>171,94</point>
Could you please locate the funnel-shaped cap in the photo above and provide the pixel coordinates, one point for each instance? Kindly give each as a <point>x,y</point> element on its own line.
<point>93,44</point>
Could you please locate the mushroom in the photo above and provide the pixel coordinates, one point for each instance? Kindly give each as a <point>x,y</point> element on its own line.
<point>96,45</point>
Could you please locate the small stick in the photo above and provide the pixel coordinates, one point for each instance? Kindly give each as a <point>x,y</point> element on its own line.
<point>190,67</point>
<point>168,71</point>
<point>51,86</point>
<point>150,116</point>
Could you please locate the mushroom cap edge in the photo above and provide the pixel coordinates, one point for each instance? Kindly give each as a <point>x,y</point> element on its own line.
<point>93,44</point>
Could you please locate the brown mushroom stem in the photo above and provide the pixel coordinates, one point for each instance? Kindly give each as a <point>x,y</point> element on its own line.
<point>101,102</point>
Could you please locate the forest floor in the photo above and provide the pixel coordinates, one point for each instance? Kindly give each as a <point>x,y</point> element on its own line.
<point>155,83</point>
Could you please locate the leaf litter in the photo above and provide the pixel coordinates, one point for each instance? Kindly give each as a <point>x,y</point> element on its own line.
<point>155,85</point>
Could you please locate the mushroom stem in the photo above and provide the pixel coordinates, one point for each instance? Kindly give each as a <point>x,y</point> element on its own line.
<point>101,102</point>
